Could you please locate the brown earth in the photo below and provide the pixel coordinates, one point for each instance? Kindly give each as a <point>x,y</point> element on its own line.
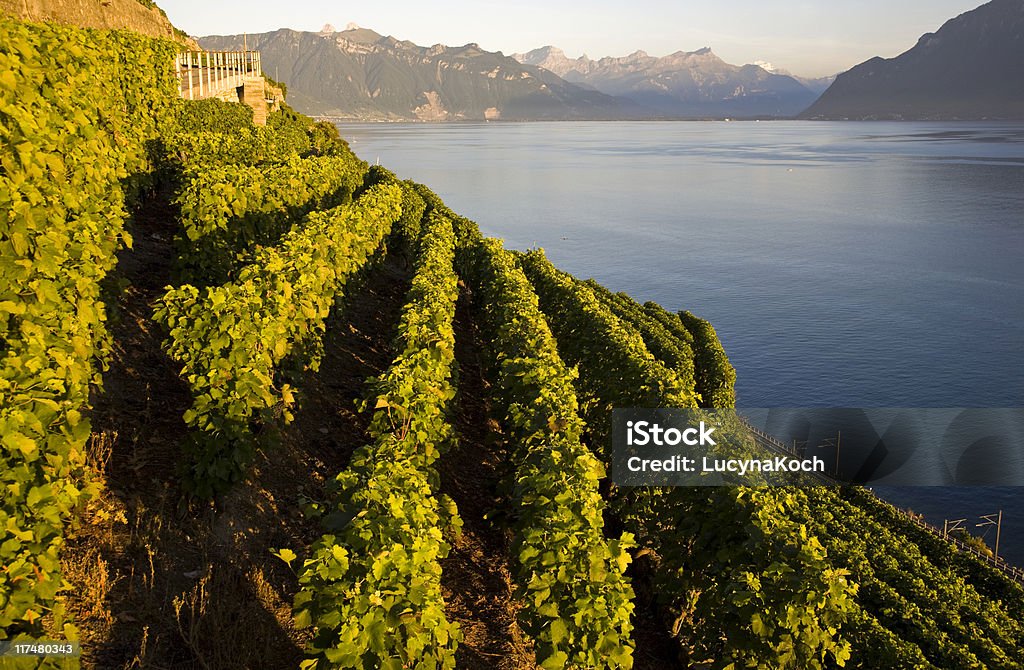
<point>476,577</point>
<point>160,582</point>
<point>111,14</point>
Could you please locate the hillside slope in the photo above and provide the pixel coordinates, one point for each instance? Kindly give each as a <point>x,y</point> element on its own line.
<point>968,69</point>
<point>142,17</point>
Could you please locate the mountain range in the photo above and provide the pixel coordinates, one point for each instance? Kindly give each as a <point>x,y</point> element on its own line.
<point>682,84</point>
<point>359,74</point>
<point>971,68</point>
<point>968,69</point>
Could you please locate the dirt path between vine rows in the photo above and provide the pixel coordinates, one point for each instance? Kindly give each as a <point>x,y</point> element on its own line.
<point>158,583</point>
<point>476,576</point>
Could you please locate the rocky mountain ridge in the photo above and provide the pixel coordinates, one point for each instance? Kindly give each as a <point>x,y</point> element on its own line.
<point>358,74</point>
<point>681,84</point>
<point>969,69</point>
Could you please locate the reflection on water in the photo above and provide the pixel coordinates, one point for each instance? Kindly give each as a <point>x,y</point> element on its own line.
<point>843,264</point>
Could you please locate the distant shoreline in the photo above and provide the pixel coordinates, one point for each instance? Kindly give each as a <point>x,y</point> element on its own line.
<point>369,122</point>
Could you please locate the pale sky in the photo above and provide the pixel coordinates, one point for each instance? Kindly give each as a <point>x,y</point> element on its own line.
<point>807,37</point>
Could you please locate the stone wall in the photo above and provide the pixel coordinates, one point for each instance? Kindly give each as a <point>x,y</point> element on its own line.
<point>254,94</point>
<point>128,14</point>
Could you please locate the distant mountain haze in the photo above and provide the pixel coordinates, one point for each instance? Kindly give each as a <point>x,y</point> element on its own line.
<point>682,84</point>
<point>815,84</point>
<point>358,74</point>
<point>971,68</point>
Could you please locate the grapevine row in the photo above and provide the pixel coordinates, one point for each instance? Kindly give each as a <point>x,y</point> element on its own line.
<point>68,163</point>
<point>746,584</point>
<point>716,378</point>
<point>675,353</point>
<point>185,148</point>
<point>371,585</point>
<point>955,625</point>
<point>578,601</point>
<point>227,211</point>
<point>990,583</point>
<point>215,133</point>
<point>231,338</point>
<point>616,369</point>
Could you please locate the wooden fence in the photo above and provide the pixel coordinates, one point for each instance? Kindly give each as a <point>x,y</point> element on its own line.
<point>208,74</point>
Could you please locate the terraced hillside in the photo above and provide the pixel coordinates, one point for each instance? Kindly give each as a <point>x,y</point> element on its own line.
<point>266,406</point>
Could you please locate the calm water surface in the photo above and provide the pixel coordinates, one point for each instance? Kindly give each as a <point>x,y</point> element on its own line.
<point>843,264</point>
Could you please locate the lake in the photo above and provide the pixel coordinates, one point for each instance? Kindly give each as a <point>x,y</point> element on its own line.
<point>843,264</point>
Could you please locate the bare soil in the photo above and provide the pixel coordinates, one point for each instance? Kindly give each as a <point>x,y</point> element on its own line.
<point>476,577</point>
<point>158,581</point>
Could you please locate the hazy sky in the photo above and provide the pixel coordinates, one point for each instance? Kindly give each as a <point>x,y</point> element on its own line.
<point>807,37</point>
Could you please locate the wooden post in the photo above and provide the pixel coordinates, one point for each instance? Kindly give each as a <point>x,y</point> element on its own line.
<point>202,89</point>
<point>188,57</point>
<point>999,527</point>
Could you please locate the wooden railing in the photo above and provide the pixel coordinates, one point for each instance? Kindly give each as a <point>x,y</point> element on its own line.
<point>206,74</point>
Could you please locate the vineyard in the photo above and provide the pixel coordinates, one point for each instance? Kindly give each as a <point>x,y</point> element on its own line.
<point>266,406</point>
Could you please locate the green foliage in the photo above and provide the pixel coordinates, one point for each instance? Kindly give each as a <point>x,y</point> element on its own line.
<point>183,150</point>
<point>992,584</point>
<point>217,136</point>
<point>875,646</point>
<point>616,368</point>
<point>372,585</point>
<point>674,352</point>
<point>939,613</point>
<point>414,207</point>
<point>716,378</point>
<point>68,161</point>
<point>230,338</point>
<point>578,601</point>
<point>209,115</point>
<point>750,587</point>
<point>670,321</point>
<point>277,84</point>
<point>324,140</point>
<point>228,212</point>
<point>292,127</point>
